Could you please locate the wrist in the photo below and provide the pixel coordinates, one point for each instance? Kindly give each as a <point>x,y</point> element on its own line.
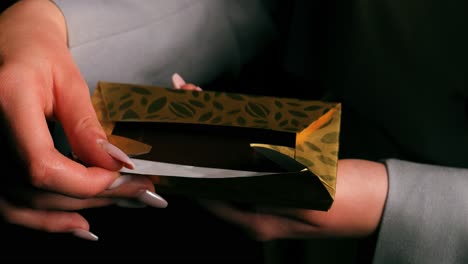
<point>362,186</point>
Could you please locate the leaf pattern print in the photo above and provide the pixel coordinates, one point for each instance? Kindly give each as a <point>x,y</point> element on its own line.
<point>157,105</point>
<point>140,90</point>
<point>316,148</point>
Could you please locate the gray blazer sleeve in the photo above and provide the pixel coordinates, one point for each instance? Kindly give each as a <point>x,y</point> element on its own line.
<point>146,41</point>
<point>426,215</point>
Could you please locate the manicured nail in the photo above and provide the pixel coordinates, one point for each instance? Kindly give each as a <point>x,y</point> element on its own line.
<point>152,199</point>
<point>119,181</point>
<point>116,153</point>
<point>128,203</point>
<point>177,81</point>
<point>84,234</point>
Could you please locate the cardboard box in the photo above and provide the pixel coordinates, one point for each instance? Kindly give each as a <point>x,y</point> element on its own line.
<point>296,142</point>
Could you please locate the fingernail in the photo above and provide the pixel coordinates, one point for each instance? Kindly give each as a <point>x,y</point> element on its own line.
<point>198,89</point>
<point>177,81</point>
<point>152,199</point>
<point>116,153</point>
<point>128,203</point>
<point>84,234</point>
<point>119,181</point>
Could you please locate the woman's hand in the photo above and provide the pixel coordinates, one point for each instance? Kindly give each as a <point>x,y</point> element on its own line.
<point>360,196</point>
<point>359,201</point>
<point>39,81</point>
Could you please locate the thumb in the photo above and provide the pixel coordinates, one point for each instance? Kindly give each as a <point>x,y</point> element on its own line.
<point>87,139</point>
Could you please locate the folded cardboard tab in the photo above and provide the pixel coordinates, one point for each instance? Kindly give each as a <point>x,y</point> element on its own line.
<point>296,141</point>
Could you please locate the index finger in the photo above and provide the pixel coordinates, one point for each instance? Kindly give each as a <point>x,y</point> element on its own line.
<point>47,168</point>
<point>75,112</point>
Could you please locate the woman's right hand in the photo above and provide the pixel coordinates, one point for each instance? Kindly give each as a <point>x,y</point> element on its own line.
<point>39,81</point>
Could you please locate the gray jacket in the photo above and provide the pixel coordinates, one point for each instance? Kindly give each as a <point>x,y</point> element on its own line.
<point>392,47</point>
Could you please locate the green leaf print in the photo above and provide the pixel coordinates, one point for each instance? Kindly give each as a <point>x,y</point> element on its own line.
<point>157,105</point>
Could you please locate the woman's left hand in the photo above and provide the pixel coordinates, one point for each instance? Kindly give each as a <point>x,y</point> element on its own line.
<point>356,211</point>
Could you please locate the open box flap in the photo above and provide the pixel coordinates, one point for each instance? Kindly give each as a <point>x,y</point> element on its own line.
<point>316,124</point>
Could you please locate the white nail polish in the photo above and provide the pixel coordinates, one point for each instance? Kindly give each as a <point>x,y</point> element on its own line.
<point>152,199</point>
<point>84,234</point>
<point>119,181</point>
<point>177,81</point>
<point>116,153</point>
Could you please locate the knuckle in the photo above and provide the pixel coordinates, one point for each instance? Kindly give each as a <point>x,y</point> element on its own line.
<point>9,73</point>
<point>85,124</point>
<point>38,170</point>
<point>53,223</point>
<point>46,223</point>
<point>16,74</point>
<point>43,173</point>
